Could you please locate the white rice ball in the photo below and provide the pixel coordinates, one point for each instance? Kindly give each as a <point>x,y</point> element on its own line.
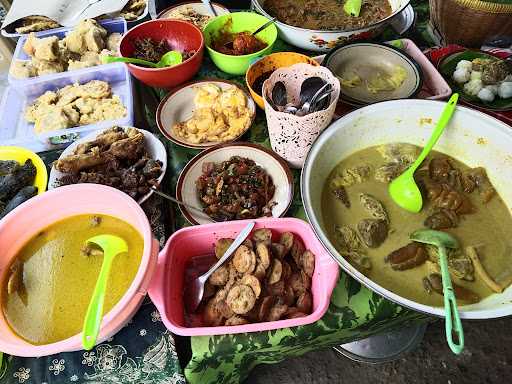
<point>505,90</point>
<point>461,76</point>
<point>465,64</point>
<point>473,87</point>
<point>486,95</point>
<point>476,75</point>
<point>493,88</point>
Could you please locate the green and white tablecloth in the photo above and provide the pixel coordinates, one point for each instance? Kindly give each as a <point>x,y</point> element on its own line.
<point>144,352</point>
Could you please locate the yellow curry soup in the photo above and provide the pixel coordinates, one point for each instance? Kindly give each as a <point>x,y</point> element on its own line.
<point>50,282</point>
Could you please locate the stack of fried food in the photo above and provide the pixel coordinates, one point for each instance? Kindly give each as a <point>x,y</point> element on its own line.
<point>74,105</point>
<point>263,281</point>
<point>116,158</point>
<point>81,48</point>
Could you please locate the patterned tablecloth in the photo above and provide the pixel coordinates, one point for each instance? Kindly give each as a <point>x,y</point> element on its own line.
<point>144,352</point>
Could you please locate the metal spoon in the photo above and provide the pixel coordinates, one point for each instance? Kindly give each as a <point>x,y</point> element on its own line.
<point>403,190</point>
<point>169,59</point>
<point>309,87</point>
<point>195,291</point>
<point>112,246</point>
<point>174,200</point>
<point>443,240</point>
<point>304,109</point>
<point>279,97</point>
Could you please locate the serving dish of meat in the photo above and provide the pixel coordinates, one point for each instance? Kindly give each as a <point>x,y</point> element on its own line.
<point>280,277</point>
<point>233,182</point>
<point>152,50</point>
<point>129,159</point>
<point>235,189</point>
<point>262,281</point>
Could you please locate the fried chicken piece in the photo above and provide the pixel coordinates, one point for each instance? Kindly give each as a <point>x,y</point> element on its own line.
<point>128,148</point>
<point>76,163</point>
<point>42,49</point>
<point>103,140</point>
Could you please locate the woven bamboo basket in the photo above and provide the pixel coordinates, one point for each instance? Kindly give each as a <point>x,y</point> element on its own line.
<point>470,22</point>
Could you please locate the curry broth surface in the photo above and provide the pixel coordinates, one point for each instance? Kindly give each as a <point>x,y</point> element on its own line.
<point>491,225</point>
<point>59,280</point>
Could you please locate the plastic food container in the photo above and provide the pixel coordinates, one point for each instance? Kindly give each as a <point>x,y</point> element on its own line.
<point>15,130</point>
<point>114,25</point>
<point>166,290</point>
<point>38,213</point>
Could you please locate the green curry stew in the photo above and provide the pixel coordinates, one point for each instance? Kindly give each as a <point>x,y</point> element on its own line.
<point>372,232</point>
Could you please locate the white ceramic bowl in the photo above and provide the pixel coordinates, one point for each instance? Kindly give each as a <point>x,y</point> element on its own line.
<point>154,146</point>
<point>179,106</point>
<point>324,40</point>
<point>363,59</point>
<point>196,6</point>
<point>472,137</point>
<point>275,166</point>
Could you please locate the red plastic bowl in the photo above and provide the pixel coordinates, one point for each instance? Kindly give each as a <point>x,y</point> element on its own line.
<point>180,35</point>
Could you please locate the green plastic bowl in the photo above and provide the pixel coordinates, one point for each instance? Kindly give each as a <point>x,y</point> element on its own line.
<point>240,22</point>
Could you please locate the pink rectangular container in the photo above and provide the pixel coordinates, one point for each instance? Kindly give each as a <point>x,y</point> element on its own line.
<point>166,289</point>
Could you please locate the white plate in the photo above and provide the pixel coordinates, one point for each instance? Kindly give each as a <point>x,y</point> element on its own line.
<point>276,167</point>
<point>154,146</point>
<point>179,106</point>
<point>196,6</point>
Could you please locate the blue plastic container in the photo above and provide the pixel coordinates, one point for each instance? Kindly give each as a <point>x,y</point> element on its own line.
<point>112,26</point>
<point>15,130</point>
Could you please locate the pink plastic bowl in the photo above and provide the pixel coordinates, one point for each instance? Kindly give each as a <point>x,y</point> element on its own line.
<point>166,289</point>
<point>41,211</point>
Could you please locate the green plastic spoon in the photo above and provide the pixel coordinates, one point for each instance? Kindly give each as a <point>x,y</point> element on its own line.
<point>353,7</point>
<point>443,240</point>
<point>169,59</point>
<point>112,246</point>
<point>403,189</point>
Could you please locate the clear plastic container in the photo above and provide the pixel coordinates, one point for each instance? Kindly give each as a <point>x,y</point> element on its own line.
<point>15,130</point>
<point>112,26</point>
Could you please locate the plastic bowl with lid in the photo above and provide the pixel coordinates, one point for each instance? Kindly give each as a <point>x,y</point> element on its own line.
<point>25,221</point>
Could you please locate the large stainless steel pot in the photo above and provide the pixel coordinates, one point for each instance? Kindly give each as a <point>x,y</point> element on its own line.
<point>471,137</point>
<point>323,40</point>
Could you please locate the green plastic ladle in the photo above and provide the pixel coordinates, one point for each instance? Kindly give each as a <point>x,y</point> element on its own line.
<point>352,7</point>
<point>112,246</point>
<point>443,240</point>
<point>403,189</point>
<point>169,59</point>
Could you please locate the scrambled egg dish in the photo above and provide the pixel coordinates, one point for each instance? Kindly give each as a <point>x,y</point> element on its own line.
<point>220,115</point>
